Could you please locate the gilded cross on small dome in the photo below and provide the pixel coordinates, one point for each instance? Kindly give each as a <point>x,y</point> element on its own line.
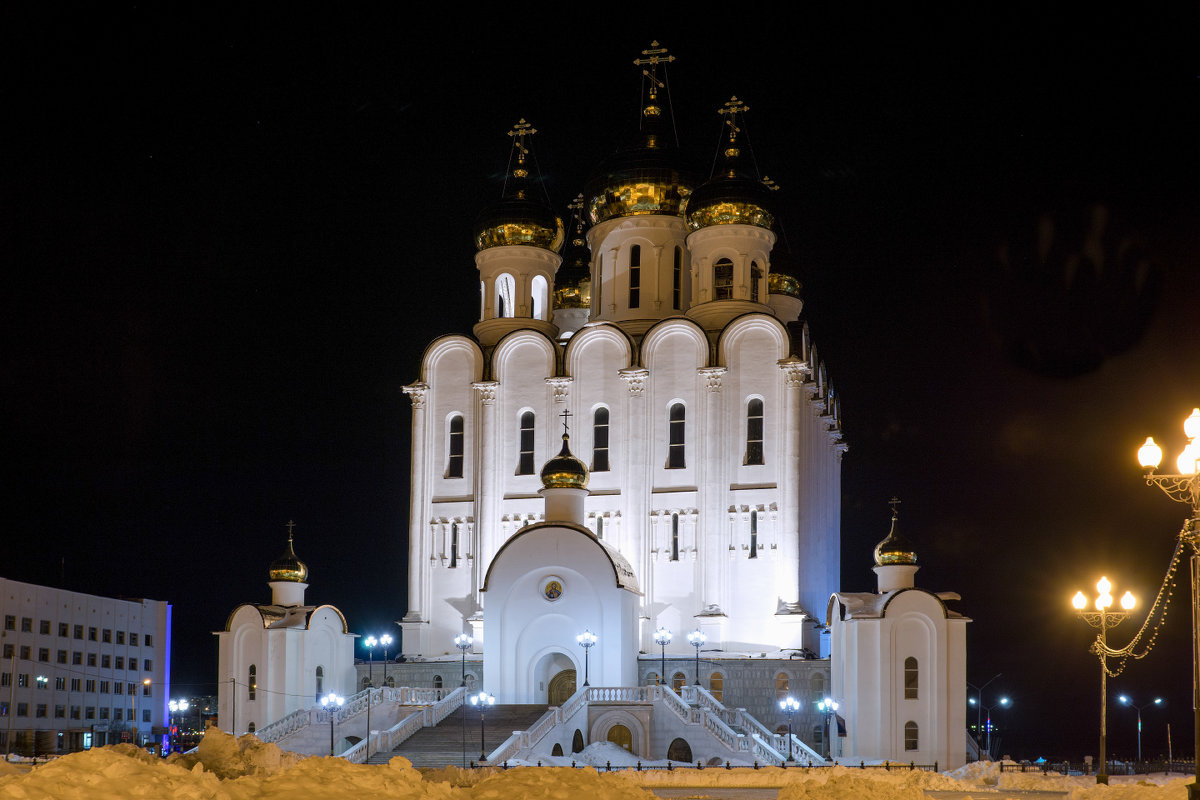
<point>291,524</point>
<point>566,428</point>
<point>654,55</point>
<point>731,111</point>
<point>519,132</point>
<point>895,501</point>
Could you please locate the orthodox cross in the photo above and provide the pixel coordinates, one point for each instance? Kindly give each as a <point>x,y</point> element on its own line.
<point>731,110</point>
<point>654,56</point>
<point>895,501</point>
<point>290,525</point>
<point>519,132</point>
<point>564,415</point>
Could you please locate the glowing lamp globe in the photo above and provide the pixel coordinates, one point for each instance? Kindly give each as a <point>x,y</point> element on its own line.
<point>1079,601</point>
<point>1191,425</point>
<point>1150,454</point>
<point>1128,601</point>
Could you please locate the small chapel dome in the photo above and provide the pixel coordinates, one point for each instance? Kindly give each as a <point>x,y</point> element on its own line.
<point>519,217</point>
<point>895,549</point>
<point>732,196</point>
<point>288,567</point>
<point>573,281</point>
<point>564,471</point>
<point>782,279</point>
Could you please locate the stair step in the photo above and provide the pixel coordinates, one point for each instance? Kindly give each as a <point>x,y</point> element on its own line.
<point>455,740</point>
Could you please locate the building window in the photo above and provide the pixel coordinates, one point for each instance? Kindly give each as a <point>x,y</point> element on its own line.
<point>74,712</point>
<point>103,712</point>
<point>754,431</point>
<point>635,275</point>
<point>145,715</point>
<point>44,654</point>
<point>107,636</point>
<point>677,681</point>
<point>149,640</point>
<point>753,534</point>
<point>10,622</point>
<point>120,637</point>
<point>454,461</point>
<point>755,280</point>
<point>600,440</point>
<point>675,448</point>
<point>525,462</point>
<point>250,728</point>
<point>22,709</point>
<point>677,279</point>
<point>10,650</point>
<point>117,714</point>
<point>121,662</point>
<point>133,637</point>
<point>78,632</point>
<point>60,712</point>
<point>105,661</point>
<point>716,685</point>
<point>62,656</point>
<point>90,685</point>
<point>25,652</point>
<point>723,279</point>
<point>437,681</point>
<point>63,630</point>
<point>77,658</point>
<point>44,627</point>
<point>5,679</point>
<point>60,683</point>
<point>320,682</point>
<point>506,289</point>
<point>453,545</point>
<point>651,679</point>
<point>41,710</point>
<point>92,634</point>
<point>911,675</point>
<point>26,625</point>
<point>911,736</point>
<point>147,664</point>
<point>599,527</point>
<point>91,659</point>
<point>781,686</point>
<point>252,682</point>
<point>674,537</point>
<point>104,687</point>
<point>539,296</point>
<point>75,682</point>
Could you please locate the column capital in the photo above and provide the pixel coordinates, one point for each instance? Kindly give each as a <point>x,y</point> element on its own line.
<point>487,391</point>
<point>417,392</point>
<point>712,377</point>
<point>795,371</point>
<point>561,386</point>
<point>635,379</point>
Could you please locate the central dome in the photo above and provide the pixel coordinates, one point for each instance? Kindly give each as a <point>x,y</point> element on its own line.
<point>288,567</point>
<point>564,471</point>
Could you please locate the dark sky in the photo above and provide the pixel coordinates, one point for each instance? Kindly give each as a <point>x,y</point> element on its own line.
<point>228,238</point>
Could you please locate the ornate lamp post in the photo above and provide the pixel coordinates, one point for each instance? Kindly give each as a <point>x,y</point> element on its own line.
<point>828,707</point>
<point>463,643</point>
<point>662,638</point>
<point>1103,619</point>
<point>697,639</point>
<point>586,640</point>
<point>385,640</point>
<point>1184,487</point>
<point>482,701</point>
<point>175,706</point>
<point>331,703</point>
<point>370,643</point>
<point>789,705</point>
<point>1126,701</point>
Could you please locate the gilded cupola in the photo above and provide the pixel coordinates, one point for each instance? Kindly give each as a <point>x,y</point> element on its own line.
<point>288,567</point>
<point>649,175</point>
<point>895,549</point>
<point>573,281</point>
<point>732,195</point>
<point>522,215</point>
<point>564,471</point>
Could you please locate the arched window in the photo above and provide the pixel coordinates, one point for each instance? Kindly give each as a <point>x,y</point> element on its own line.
<point>506,291</point>
<point>675,448</point>
<point>677,279</point>
<point>781,686</point>
<point>437,681</point>
<point>525,462</point>
<point>454,457</point>
<point>755,280</point>
<point>252,682</point>
<point>453,545</point>
<point>716,685</point>
<point>723,279</point>
<point>365,683</point>
<point>635,275</point>
<point>600,440</point>
<point>250,728</point>
<point>677,681</point>
<point>674,537</point>
<point>651,679</point>
<point>753,534</point>
<point>679,750</point>
<point>557,750</point>
<point>817,686</point>
<point>911,676</point>
<point>320,682</point>
<point>754,431</point>
<point>539,292</point>
<point>912,737</point>
<point>577,741</point>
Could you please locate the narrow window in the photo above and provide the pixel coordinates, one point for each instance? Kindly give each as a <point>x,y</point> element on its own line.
<point>755,280</point>
<point>600,440</point>
<point>538,296</point>
<point>250,728</point>
<point>453,545</point>
<point>910,678</point>
<point>781,685</point>
<point>754,431</point>
<point>525,463</point>
<point>677,279</point>
<point>716,685</point>
<point>437,681</point>
<point>723,279</point>
<point>911,736</point>
<point>677,681</point>
<point>252,682</point>
<point>675,450</point>
<point>599,527</point>
<point>674,537</point>
<point>506,289</point>
<point>454,461</point>
<point>320,682</point>
<point>635,275</point>
<point>754,534</point>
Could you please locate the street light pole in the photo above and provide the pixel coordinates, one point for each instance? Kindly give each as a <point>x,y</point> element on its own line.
<point>978,703</point>
<point>697,640</point>
<point>1184,487</point>
<point>586,640</point>
<point>662,637</point>
<point>1126,701</point>
<point>370,643</point>
<point>331,703</point>
<point>1103,619</point>
<point>789,705</point>
<point>385,640</point>
<point>463,643</point>
<point>483,700</point>
<point>828,707</point>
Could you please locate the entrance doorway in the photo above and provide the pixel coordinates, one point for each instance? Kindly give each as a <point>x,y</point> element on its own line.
<point>621,736</point>
<point>561,687</point>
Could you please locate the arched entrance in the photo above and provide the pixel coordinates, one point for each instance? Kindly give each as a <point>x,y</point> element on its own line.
<point>621,736</point>
<point>679,750</point>
<point>562,686</point>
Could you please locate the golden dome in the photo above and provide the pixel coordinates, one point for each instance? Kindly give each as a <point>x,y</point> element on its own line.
<point>731,196</point>
<point>895,549</point>
<point>287,567</point>
<point>518,218</point>
<point>564,471</point>
<point>573,281</point>
<point>782,283</point>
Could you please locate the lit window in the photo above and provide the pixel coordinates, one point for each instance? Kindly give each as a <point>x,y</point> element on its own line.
<point>635,275</point>
<point>723,279</point>
<point>910,678</point>
<point>753,534</point>
<point>675,449</point>
<point>525,462</point>
<point>781,685</point>
<point>600,440</point>
<point>677,681</point>
<point>754,431</point>
<point>677,279</point>
<point>755,280</point>
<point>506,289</point>
<point>911,736</point>
<point>674,537</point>
<point>252,682</point>
<point>453,545</point>
<point>454,461</point>
<point>716,685</point>
<point>320,682</point>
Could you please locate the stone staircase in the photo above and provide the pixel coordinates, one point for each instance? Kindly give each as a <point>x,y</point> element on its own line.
<point>443,744</point>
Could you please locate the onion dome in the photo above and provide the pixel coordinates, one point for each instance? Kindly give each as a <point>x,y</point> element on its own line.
<point>649,175</point>
<point>573,281</point>
<point>895,549</point>
<point>288,567</point>
<point>732,196</point>
<point>564,471</point>
<point>783,278</point>
<point>522,216</point>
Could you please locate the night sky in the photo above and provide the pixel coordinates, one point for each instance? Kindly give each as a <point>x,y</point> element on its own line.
<point>227,240</point>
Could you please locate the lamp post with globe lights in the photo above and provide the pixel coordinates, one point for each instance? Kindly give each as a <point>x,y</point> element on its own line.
<point>662,638</point>
<point>331,703</point>
<point>586,640</point>
<point>384,641</point>
<point>176,706</point>
<point>370,643</point>
<point>482,701</point>
<point>697,639</point>
<point>463,643</point>
<point>1103,619</point>
<point>828,707</point>
<point>1184,487</point>
<point>1127,702</point>
<point>789,705</point>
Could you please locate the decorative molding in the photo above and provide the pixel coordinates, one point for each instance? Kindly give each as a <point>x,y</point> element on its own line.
<point>712,377</point>
<point>487,391</point>
<point>562,388</point>
<point>417,392</point>
<point>795,372</point>
<point>635,379</point>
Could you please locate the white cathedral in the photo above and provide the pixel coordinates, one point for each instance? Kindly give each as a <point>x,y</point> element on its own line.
<point>640,437</point>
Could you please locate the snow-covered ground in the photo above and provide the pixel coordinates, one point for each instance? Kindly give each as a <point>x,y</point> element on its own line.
<point>246,769</point>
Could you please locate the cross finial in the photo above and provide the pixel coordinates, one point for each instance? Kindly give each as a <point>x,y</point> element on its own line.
<point>519,132</point>
<point>290,525</point>
<point>566,429</point>
<point>895,501</point>
<point>654,55</point>
<point>731,110</point>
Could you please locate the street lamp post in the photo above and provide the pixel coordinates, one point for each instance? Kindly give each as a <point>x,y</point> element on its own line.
<point>331,703</point>
<point>370,643</point>
<point>662,638</point>
<point>176,706</point>
<point>42,683</point>
<point>385,640</point>
<point>1002,703</point>
<point>1126,701</point>
<point>978,703</point>
<point>828,707</point>
<point>1103,619</point>
<point>1184,487</point>
<point>586,640</point>
<point>697,640</point>
<point>789,705</point>
<point>463,643</point>
<point>482,701</point>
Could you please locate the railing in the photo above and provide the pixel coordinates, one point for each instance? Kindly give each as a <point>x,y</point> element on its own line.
<point>673,766</point>
<point>1114,767</point>
<point>286,726</point>
<point>620,694</point>
<point>391,738</point>
<point>445,704</point>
